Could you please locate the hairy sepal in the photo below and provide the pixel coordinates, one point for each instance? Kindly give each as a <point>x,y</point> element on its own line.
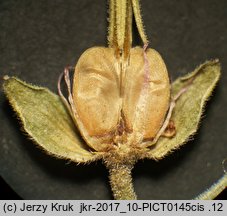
<point>189,108</point>
<point>47,121</point>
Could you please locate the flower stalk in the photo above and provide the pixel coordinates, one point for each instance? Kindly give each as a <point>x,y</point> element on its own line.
<point>121,182</point>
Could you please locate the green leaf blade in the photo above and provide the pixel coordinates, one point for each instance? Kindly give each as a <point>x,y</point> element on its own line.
<point>47,121</point>
<point>189,108</point>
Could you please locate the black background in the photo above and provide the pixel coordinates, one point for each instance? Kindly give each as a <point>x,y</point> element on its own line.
<point>39,38</point>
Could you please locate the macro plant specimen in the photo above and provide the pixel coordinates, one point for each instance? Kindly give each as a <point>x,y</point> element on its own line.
<point>121,103</point>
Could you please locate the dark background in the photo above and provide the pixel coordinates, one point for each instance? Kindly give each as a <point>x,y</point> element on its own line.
<point>39,38</point>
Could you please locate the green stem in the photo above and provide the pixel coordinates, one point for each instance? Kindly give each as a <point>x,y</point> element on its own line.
<point>214,190</point>
<point>121,182</point>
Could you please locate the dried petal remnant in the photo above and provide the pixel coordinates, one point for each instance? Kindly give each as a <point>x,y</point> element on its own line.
<point>127,96</point>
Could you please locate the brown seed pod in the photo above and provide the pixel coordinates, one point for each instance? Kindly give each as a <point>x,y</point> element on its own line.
<point>114,99</point>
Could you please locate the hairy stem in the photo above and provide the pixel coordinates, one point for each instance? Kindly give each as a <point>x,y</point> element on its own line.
<point>214,190</point>
<point>139,20</point>
<point>121,182</point>
<point>120,25</point>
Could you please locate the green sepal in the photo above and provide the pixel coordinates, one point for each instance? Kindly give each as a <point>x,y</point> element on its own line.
<point>189,107</point>
<point>47,121</point>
